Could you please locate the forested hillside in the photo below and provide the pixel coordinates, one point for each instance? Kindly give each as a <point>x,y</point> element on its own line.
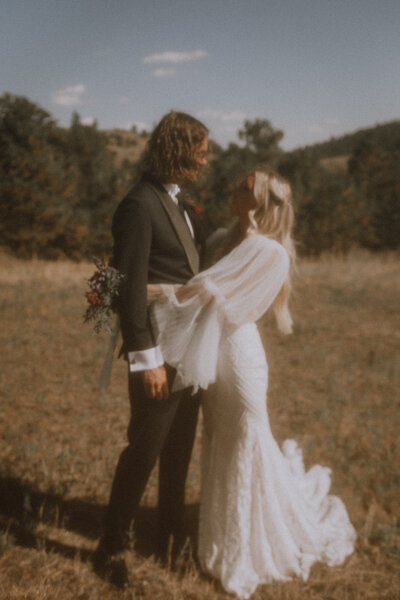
<point>59,186</point>
<point>347,144</point>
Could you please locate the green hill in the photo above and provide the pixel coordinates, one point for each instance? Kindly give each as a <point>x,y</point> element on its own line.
<point>333,154</point>
<point>346,144</point>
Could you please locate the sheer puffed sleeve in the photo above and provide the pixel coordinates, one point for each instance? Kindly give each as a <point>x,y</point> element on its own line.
<point>238,289</point>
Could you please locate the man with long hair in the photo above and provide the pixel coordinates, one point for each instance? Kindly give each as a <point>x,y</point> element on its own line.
<point>155,241</point>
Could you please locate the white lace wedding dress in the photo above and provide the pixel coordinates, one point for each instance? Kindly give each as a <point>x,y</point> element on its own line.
<point>262,517</point>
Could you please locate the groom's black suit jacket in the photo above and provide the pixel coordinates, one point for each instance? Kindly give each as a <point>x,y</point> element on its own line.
<point>152,244</point>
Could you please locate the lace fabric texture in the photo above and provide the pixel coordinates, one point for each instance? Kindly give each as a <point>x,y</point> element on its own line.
<point>262,517</point>
<point>238,289</point>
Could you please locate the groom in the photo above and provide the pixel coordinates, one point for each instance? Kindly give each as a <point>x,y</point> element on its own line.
<point>156,240</point>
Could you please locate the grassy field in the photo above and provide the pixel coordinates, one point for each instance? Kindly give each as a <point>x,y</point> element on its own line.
<point>333,387</point>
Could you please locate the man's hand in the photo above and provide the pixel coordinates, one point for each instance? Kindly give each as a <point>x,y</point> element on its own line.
<point>155,383</point>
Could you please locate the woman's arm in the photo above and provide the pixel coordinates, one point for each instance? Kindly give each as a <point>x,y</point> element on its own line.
<point>155,293</point>
<point>161,293</point>
<point>237,289</point>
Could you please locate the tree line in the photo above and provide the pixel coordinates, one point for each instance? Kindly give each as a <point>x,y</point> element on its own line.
<point>60,186</point>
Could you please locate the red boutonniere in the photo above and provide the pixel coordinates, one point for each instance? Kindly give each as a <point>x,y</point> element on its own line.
<point>192,204</point>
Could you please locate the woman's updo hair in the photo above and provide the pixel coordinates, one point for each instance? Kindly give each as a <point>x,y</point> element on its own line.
<point>273,216</point>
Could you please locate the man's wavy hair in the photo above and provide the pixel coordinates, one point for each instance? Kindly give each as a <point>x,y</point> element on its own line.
<point>170,151</point>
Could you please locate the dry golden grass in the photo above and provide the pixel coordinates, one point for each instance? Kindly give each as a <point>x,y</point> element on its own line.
<point>333,387</point>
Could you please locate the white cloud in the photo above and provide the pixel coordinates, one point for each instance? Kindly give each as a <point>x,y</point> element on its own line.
<point>88,120</point>
<point>226,129</point>
<point>103,52</point>
<point>209,113</point>
<point>175,57</point>
<point>140,126</point>
<point>69,96</point>
<point>332,121</point>
<point>222,116</point>
<point>235,115</point>
<point>324,127</point>
<point>161,72</point>
<point>316,129</point>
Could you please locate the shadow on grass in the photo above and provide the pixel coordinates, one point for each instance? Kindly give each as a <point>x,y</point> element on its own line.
<point>22,508</point>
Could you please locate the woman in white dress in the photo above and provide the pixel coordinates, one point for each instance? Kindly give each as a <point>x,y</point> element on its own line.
<point>262,517</point>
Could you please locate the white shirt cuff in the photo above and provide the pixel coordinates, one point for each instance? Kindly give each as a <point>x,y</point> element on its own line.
<point>145,359</point>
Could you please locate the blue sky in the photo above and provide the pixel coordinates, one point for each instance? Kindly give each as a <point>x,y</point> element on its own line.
<point>314,68</point>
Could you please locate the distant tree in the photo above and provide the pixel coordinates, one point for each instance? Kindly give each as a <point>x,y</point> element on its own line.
<point>261,142</point>
<point>366,204</point>
<point>375,169</point>
<point>58,187</point>
<point>98,182</point>
<point>228,166</point>
<point>331,217</point>
<point>331,212</point>
<point>36,186</point>
<point>347,144</point>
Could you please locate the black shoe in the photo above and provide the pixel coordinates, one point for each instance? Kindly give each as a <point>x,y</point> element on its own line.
<point>110,567</point>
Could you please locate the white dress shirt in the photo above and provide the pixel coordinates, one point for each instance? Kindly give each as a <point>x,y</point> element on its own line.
<point>173,190</point>
<point>151,358</point>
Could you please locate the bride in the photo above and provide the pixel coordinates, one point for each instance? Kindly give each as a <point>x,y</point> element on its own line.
<point>262,516</point>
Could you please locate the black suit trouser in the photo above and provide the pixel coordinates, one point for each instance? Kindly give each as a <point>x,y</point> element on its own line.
<point>158,428</point>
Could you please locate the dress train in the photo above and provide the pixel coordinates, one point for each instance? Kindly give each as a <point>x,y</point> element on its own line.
<point>262,517</point>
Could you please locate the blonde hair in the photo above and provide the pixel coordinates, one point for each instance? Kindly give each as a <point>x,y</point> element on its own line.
<point>272,216</point>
